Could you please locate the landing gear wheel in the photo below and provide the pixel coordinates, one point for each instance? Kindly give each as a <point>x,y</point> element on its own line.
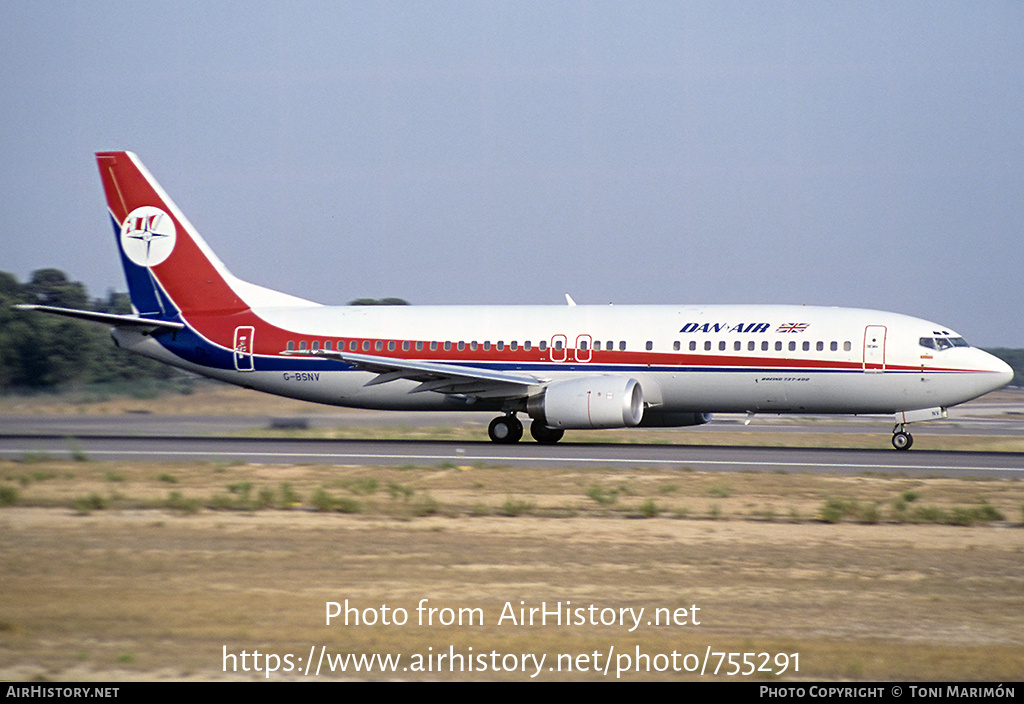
<point>505,429</point>
<point>543,434</point>
<point>902,440</point>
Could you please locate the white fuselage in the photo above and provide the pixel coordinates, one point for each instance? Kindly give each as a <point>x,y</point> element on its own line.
<point>726,358</point>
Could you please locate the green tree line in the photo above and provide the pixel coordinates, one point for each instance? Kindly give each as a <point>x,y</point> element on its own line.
<point>44,351</point>
<point>39,351</point>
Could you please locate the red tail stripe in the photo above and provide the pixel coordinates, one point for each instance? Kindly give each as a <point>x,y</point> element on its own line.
<point>188,276</point>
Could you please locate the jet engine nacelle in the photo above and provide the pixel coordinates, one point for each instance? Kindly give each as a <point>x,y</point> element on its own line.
<point>654,419</point>
<point>589,402</point>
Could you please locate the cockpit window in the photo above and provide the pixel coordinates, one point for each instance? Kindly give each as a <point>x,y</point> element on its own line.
<point>942,343</point>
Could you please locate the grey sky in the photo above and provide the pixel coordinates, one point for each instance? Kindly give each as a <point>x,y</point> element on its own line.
<point>856,154</point>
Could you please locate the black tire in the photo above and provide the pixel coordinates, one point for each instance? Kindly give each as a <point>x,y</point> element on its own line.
<point>902,440</point>
<point>505,429</point>
<point>545,435</point>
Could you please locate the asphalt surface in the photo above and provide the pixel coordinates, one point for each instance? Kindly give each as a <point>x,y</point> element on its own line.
<point>216,439</point>
<point>401,452</point>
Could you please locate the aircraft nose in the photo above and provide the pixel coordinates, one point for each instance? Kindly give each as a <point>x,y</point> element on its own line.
<point>1002,372</point>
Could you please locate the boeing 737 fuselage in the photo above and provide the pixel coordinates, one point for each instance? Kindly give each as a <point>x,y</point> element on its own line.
<point>566,367</point>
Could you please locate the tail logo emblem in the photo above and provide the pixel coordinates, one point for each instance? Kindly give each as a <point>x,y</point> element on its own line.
<point>148,235</point>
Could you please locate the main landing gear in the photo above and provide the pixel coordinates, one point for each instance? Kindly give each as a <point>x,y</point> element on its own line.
<point>901,439</point>
<point>508,429</point>
<point>505,429</point>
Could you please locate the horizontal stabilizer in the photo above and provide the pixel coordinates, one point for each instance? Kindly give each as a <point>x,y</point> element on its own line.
<point>120,321</point>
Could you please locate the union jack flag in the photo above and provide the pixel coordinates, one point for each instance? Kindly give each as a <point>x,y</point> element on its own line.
<point>792,327</point>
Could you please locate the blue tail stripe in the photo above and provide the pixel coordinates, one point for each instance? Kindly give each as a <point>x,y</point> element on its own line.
<point>146,295</point>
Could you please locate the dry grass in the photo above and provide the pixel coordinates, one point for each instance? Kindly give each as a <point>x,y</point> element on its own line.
<point>204,398</point>
<point>136,590</point>
<point>118,571</point>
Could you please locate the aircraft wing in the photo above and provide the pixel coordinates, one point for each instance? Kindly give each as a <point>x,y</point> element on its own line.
<point>145,325</point>
<point>433,376</point>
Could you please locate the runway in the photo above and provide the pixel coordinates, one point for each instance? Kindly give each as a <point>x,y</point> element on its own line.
<point>152,437</point>
<point>462,454</point>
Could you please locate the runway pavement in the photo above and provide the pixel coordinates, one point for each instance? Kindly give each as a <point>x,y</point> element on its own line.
<point>215,439</point>
<point>403,452</point>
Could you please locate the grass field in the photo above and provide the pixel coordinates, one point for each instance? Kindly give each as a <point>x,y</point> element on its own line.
<point>121,571</point>
<point>142,571</point>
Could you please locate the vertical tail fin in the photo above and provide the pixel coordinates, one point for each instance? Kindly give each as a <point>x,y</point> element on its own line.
<point>166,262</point>
<point>169,267</point>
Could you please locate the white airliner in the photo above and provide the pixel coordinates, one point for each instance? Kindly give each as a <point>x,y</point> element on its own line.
<point>566,367</point>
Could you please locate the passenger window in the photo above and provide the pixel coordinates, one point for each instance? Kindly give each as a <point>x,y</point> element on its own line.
<point>819,346</point>
<point>291,345</point>
<point>792,346</point>
<point>353,346</point>
<point>778,346</point>
<point>751,346</point>
<point>807,346</point>
<point>834,346</point>
<point>462,345</point>
<point>764,346</point>
<point>302,345</point>
<point>366,345</point>
<point>622,345</point>
<point>737,345</point>
<point>650,345</point>
<point>707,346</point>
<point>693,345</point>
<point>378,345</point>
<point>391,345</point>
<point>721,346</point>
<point>847,346</point>
<point>316,345</point>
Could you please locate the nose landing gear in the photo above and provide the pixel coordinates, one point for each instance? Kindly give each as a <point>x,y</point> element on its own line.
<point>901,439</point>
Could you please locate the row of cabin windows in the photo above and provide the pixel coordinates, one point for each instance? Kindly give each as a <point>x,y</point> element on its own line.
<point>392,345</point>
<point>419,345</point>
<point>751,346</point>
